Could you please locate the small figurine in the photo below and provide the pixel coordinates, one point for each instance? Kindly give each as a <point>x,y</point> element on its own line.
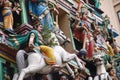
<point>63,77</point>
<point>112,73</point>
<point>16,7</point>
<point>16,13</point>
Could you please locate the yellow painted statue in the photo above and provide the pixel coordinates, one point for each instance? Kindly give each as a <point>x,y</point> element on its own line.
<point>7,15</point>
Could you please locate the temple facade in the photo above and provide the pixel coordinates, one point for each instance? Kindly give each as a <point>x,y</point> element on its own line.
<point>88,25</point>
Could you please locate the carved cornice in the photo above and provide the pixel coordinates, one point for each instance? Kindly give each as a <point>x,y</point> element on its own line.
<point>24,28</point>
<point>8,51</point>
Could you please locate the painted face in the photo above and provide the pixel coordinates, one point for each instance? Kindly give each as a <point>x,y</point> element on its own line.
<point>112,72</point>
<point>85,16</point>
<point>63,78</point>
<point>39,28</point>
<point>7,4</point>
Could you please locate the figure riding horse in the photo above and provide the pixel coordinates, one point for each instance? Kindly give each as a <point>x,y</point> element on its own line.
<point>37,64</point>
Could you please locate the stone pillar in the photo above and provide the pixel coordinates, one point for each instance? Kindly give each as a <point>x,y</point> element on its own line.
<point>23,13</point>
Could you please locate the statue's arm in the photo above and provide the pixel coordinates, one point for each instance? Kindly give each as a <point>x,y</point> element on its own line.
<point>41,39</point>
<point>31,40</point>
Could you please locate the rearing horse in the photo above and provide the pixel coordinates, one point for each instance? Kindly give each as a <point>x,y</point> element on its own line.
<point>37,64</point>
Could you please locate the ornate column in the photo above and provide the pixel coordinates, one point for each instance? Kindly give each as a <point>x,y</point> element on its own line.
<point>23,13</point>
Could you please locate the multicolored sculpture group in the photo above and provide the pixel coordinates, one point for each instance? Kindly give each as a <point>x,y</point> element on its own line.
<point>40,50</point>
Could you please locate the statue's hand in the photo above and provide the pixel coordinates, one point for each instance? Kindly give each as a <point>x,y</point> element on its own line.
<point>31,46</point>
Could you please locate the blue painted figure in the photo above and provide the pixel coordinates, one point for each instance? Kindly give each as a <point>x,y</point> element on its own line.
<point>40,9</point>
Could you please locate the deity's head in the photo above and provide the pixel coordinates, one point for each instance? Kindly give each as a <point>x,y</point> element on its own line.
<point>7,3</point>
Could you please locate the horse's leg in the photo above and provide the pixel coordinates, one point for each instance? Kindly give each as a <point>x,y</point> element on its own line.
<point>78,62</point>
<point>70,70</point>
<point>71,57</point>
<point>20,60</point>
<point>29,69</point>
<point>67,56</point>
<point>15,77</point>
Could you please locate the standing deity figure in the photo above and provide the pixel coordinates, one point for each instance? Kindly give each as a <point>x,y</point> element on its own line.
<point>40,9</point>
<point>7,15</point>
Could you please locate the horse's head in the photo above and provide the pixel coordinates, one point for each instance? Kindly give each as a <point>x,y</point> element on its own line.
<point>97,58</point>
<point>60,35</point>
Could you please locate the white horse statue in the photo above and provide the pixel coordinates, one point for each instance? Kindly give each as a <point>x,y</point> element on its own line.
<point>101,73</point>
<point>37,64</point>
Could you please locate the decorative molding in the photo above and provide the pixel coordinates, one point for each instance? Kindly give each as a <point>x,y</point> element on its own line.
<point>24,28</point>
<point>8,50</point>
<point>70,1</point>
<point>7,58</point>
<point>65,5</point>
